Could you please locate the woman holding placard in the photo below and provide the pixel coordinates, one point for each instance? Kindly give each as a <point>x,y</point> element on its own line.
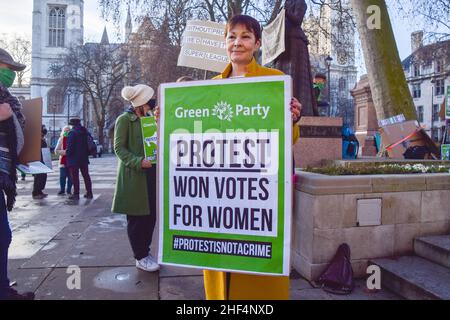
<point>135,193</point>
<point>243,40</point>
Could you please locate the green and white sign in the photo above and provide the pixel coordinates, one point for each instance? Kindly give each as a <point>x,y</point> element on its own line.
<point>226,174</point>
<point>150,136</point>
<point>447,105</point>
<point>445,152</point>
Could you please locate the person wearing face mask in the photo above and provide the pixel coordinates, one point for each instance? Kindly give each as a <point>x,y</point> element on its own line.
<point>319,84</point>
<point>12,124</point>
<point>135,193</point>
<point>64,175</point>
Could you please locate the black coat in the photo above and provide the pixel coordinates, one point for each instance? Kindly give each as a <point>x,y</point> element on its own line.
<point>77,147</point>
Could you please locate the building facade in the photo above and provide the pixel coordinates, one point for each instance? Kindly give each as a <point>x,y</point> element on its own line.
<point>427,72</point>
<point>22,93</point>
<point>57,25</point>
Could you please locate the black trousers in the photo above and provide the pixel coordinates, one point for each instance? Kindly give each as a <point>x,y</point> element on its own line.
<point>140,228</point>
<point>39,183</point>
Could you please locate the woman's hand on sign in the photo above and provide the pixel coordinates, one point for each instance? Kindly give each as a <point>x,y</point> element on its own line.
<point>145,164</point>
<point>296,109</point>
<point>156,113</point>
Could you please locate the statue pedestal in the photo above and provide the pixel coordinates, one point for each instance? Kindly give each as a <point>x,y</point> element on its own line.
<point>320,139</point>
<point>366,124</point>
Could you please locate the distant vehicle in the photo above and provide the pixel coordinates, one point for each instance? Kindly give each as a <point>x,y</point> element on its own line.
<point>99,149</point>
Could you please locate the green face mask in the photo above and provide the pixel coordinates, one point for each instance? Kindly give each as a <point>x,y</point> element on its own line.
<point>321,86</point>
<point>66,134</point>
<point>7,77</point>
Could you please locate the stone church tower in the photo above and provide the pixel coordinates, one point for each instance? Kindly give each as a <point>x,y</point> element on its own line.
<point>57,24</point>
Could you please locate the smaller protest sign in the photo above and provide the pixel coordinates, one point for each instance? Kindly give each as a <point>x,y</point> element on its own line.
<point>445,152</point>
<point>150,137</point>
<point>273,39</point>
<point>47,157</point>
<point>35,167</point>
<point>32,110</point>
<point>203,46</point>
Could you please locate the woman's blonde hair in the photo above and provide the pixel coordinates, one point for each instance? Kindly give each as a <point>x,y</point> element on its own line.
<point>64,130</point>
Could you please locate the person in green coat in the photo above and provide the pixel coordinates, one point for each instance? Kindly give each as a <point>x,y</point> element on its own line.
<point>135,193</point>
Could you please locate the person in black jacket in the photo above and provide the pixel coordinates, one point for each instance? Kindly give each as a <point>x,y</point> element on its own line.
<point>77,154</point>
<point>40,179</point>
<point>12,124</point>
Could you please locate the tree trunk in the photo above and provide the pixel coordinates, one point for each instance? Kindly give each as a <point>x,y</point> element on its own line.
<point>390,92</point>
<point>101,136</point>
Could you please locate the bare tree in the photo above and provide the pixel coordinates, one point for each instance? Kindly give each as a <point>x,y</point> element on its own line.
<point>152,56</point>
<point>98,71</point>
<point>20,49</point>
<point>390,92</point>
<point>432,16</point>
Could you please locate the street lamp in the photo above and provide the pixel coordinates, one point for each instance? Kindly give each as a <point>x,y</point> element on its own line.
<point>54,123</point>
<point>432,108</point>
<point>69,93</point>
<point>328,60</point>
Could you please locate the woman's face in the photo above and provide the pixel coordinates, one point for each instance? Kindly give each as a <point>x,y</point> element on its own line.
<point>143,110</point>
<point>241,45</point>
<point>66,129</point>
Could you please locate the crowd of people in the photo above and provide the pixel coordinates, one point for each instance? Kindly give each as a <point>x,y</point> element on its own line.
<point>72,148</point>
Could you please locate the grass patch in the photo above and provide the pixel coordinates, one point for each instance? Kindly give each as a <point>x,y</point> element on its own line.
<point>379,169</point>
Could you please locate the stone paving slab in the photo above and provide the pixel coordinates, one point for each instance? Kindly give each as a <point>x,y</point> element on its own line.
<point>171,271</point>
<point>302,290</point>
<point>49,255</point>
<point>181,288</point>
<point>104,243</point>
<point>124,283</point>
<point>28,279</point>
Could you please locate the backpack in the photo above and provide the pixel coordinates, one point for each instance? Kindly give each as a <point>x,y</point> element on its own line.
<point>338,277</point>
<point>92,147</point>
<point>416,152</point>
<point>350,144</point>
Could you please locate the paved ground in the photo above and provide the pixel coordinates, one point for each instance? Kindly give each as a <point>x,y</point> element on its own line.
<point>52,235</point>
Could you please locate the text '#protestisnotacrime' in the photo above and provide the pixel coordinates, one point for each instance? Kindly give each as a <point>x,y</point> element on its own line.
<point>221,246</point>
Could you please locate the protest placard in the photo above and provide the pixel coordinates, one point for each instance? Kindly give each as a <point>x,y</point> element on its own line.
<point>32,110</point>
<point>273,38</point>
<point>225,172</point>
<point>203,46</point>
<point>445,152</point>
<point>150,137</point>
<point>35,167</point>
<point>47,157</point>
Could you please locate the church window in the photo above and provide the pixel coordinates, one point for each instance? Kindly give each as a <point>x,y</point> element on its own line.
<point>55,99</point>
<point>57,25</point>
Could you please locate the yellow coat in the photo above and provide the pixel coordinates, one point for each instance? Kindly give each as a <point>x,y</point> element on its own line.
<point>238,286</point>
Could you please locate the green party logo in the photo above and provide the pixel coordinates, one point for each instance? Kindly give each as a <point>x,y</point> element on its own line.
<point>223,111</point>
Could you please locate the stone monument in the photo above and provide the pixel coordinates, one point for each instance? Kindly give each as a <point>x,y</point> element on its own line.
<point>320,139</point>
<point>366,124</point>
<point>294,61</point>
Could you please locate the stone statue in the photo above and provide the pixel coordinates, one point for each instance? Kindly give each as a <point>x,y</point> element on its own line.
<point>295,60</point>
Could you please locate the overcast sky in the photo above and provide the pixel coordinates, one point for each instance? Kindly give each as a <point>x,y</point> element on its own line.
<point>16,18</point>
